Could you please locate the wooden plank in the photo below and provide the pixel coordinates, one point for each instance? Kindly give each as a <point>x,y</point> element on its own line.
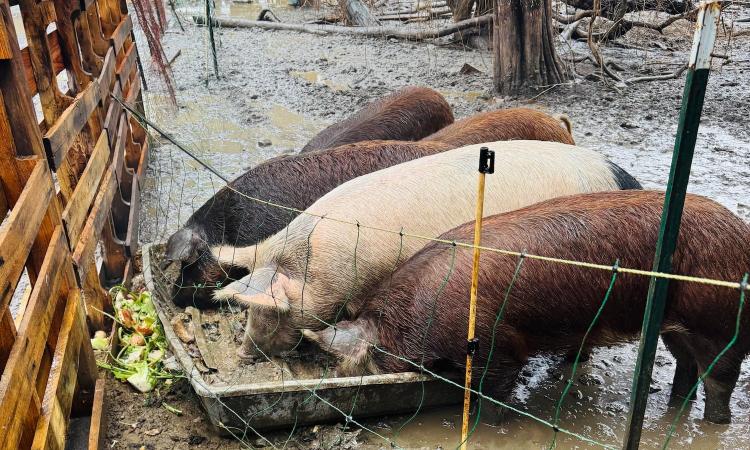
<point>63,133</point>
<point>112,118</point>
<point>58,63</point>
<point>126,67</point>
<point>131,240</point>
<point>23,136</point>
<point>4,208</point>
<point>6,52</point>
<point>143,163</point>
<point>84,250</point>
<point>107,76</point>
<point>7,337</point>
<point>58,396</point>
<point>139,133</point>
<point>97,431</point>
<point>121,216</point>
<point>97,300</point>
<point>74,47</point>
<point>121,33</point>
<point>115,265</point>
<point>21,229</point>
<point>100,43</point>
<point>134,91</point>
<point>75,213</point>
<point>18,382</point>
<point>118,153</point>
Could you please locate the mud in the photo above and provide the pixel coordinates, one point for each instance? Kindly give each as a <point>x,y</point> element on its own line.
<point>277,89</point>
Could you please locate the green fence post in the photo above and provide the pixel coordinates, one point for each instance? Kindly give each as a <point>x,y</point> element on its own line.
<point>682,158</point>
<point>210,22</point>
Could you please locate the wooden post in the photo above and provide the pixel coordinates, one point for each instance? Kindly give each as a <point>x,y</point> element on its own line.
<point>674,200</point>
<point>486,165</point>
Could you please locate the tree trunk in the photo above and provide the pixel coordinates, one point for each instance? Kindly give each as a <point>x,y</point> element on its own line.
<point>357,14</point>
<point>524,46</point>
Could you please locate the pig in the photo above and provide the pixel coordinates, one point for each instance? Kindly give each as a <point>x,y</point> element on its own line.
<point>551,305</point>
<point>231,218</point>
<point>321,268</point>
<point>408,114</point>
<point>516,123</point>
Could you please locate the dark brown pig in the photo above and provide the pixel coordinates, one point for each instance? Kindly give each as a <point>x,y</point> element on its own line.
<point>233,217</point>
<point>512,124</point>
<point>408,114</point>
<point>551,305</point>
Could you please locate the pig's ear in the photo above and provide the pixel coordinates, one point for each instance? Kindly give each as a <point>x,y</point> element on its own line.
<point>249,291</point>
<point>186,246</point>
<point>348,341</point>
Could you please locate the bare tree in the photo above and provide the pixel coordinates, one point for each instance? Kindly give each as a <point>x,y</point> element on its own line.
<point>524,46</point>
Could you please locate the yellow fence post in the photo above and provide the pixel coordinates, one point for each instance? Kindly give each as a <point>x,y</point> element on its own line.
<point>486,165</point>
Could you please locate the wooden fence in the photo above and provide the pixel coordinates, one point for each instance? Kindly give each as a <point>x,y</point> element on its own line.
<point>69,196</point>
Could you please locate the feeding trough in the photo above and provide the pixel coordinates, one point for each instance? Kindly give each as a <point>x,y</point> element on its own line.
<point>299,389</point>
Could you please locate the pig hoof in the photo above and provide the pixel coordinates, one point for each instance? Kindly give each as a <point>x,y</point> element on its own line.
<point>245,358</point>
<point>718,417</point>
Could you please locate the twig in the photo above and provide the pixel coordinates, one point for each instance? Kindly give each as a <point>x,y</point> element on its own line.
<point>176,16</point>
<point>171,60</point>
<point>598,58</point>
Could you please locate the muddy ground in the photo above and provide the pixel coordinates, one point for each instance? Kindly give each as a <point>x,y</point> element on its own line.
<point>277,89</point>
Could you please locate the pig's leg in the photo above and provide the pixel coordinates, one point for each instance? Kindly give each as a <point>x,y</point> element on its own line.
<point>719,385</point>
<point>686,372</point>
<point>498,385</point>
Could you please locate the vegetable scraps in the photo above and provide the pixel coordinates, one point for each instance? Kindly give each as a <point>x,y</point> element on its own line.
<point>140,360</point>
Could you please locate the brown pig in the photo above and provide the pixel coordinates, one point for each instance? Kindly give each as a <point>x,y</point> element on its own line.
<point>550,305</point>
<point>408,114</point>
<point>513,123</point>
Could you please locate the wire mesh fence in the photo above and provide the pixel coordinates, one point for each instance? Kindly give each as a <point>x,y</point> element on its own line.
<point>178,173</point>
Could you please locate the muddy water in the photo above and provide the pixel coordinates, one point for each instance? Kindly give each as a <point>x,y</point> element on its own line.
<point>284,87</point>
<point>596,407</point>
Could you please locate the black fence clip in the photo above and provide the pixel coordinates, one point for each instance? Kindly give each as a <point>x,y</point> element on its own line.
<point>486,160</point>
<point>472,345</point>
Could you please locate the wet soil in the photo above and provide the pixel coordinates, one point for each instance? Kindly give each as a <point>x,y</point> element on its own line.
<point>277,89</point>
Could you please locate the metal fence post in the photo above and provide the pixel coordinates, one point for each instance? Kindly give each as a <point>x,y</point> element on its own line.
<point>486,165</point>
<point>682,158</point>
<point>210,22</point>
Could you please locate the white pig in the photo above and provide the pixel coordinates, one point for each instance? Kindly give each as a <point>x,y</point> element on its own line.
<point>320,270</point>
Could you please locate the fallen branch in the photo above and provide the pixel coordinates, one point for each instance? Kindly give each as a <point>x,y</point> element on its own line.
<point>388,32</point>
<point>668,76</point>
<point>567,33</point>
<point>418,15</point>
<point>566,20</point>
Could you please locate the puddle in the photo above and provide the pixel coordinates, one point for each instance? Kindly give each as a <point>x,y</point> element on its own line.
<point>315,77</point>
<point>596,407</point>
